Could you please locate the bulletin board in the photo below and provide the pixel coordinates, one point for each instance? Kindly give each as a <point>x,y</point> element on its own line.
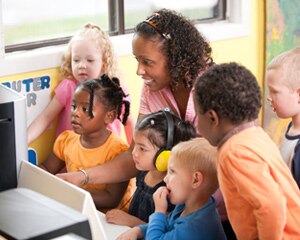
<point>282,34</point>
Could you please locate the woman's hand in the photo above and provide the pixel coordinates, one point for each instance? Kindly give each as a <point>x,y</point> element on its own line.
<point>76,178</point>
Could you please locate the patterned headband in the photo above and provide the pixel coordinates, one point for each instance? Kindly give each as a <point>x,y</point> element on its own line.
<point>153,22</point>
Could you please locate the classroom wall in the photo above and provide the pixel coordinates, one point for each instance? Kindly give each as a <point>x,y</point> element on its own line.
<point>247,50</point>
<point>282,34</point>
<point>250,50</point>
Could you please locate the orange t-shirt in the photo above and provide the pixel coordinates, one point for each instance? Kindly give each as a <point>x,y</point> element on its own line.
<point>68,148</point>
<point>261,196</point>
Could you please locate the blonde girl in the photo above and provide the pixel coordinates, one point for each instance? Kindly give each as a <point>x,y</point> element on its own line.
<point>88,54</point>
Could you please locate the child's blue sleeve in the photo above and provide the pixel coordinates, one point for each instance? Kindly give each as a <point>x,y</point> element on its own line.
<point>144,228</point>
<point>157,226</point>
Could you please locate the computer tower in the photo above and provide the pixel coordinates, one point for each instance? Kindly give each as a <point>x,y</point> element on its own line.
<point>13,137</point>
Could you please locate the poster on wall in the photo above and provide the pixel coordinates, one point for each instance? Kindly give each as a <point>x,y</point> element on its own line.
<point>282,34</point>
<point>37,93</point>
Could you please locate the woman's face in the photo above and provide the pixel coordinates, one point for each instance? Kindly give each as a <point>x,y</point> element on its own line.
<point>152,64</point>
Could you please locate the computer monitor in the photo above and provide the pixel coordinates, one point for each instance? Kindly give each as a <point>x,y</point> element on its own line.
<point>13,134</point>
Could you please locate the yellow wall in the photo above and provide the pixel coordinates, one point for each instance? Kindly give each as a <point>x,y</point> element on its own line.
<point>248,50</point>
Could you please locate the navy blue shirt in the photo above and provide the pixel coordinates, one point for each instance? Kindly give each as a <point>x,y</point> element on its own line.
<point>296,159</point>
<point>142,204</point>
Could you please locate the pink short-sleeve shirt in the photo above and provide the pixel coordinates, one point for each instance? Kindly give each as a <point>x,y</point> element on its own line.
<point>64,93</point>
<point>153,101</point>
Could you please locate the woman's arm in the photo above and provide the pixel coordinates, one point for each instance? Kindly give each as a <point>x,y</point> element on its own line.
<point>110,197</point>
<point>119,169</point>
<point>43,120</point>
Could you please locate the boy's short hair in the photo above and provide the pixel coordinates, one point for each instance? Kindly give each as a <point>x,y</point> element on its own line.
<point>230,90</point>
<point>198,155</point>
<point>289,63</point>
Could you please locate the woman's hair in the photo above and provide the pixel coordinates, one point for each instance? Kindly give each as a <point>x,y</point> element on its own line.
<point>155,127</point>
<point>289,63</point>
<point>91,32</point>
<point>230,90</point>
<point>109,93</point>
<point>186,50</point>
<point>198,155</point>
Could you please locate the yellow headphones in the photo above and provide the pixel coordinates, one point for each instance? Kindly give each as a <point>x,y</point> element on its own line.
<point>163,154</point>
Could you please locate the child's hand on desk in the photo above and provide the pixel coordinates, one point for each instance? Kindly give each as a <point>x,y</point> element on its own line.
<point>117,216</point>
<point>131,234</point>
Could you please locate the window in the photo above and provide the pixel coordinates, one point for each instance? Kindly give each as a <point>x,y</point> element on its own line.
<point>36,23</point>
<point>237,24</point>
<point>33,23</point>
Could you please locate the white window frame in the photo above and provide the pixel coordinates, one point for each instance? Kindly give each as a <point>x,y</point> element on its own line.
<point>237,25</point>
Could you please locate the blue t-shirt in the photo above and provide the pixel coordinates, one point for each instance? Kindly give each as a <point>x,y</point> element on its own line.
<point>203,224</point>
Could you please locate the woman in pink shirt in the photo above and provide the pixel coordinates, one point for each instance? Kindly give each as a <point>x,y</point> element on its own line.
<point>171,54</point>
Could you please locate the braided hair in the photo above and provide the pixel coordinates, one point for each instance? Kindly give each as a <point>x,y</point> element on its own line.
<point>109,93</point>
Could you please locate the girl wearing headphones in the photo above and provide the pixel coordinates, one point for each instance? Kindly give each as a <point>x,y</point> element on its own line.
<point>154,136</point>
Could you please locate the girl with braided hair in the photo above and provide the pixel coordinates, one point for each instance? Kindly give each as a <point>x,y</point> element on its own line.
<point>96,103</point>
